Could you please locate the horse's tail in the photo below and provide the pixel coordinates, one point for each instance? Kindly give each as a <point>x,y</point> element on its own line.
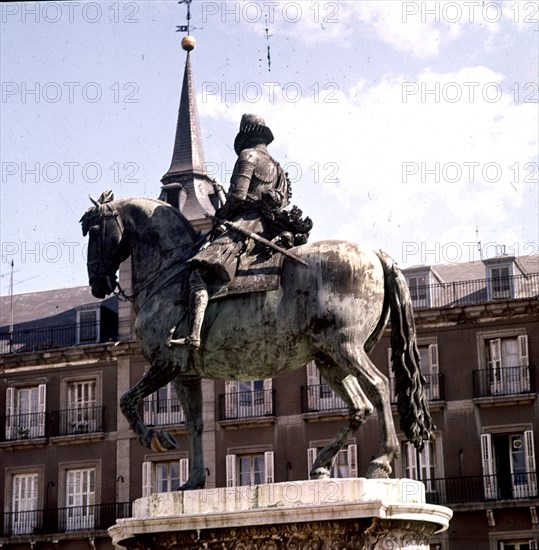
<point>412,402</point>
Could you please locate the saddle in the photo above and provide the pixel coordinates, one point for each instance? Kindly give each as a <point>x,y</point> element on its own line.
<point>255,273</point>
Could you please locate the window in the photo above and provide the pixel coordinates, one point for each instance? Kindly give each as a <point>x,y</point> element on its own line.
<point>320,396</point>
<point>164,476</point>
<point>81,407</point>
<point>500,282</point>
<point>249,469</point>
<point>80,499</point>
<point>429,368</point>
<point>248,399</point>
<point>163,407</point>
<point>507,365</point>
<point>420,465</point>
<point>25,412</point>
<point>509,465</point>
<point>419,290</point>
<point>88,326</point>
<point>24,503</point>
<point>522,544</point>
<point>344,464</point>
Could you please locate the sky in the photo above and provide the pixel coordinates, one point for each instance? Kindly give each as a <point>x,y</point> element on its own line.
<point>406,126</point>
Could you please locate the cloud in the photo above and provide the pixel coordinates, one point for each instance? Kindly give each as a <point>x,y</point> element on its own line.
<point>404,160</point>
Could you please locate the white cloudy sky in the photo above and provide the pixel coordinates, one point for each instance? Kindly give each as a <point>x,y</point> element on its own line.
<point>407,126</point>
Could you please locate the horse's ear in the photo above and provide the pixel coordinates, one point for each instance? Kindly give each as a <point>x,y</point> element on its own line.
<point>106,196</point>
<point>95,201</point>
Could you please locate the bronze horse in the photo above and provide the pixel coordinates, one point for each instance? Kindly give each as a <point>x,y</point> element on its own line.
<point>333,312</point>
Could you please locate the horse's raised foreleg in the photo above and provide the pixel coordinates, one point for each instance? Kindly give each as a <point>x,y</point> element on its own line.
<point>189,392</point>
<point>347,388</point>
<point>156,377</point>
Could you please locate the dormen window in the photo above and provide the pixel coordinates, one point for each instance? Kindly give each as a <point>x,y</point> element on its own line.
<point>500,282</point>
<point>418,281</point>
<point>88,326</point>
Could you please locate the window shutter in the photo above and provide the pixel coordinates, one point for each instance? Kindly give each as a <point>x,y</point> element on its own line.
<point>268,467</point>
<point>10,412</point>
<point>231,399</point>
<point>530,462</point>
<point>268,397</point>
<point>147,485</point>
<point>524,363</point>
<point>311,457</point>
<point>411,461</point>
<point>434,372</point>
<point>391,374</point>
<point>490,484</point>
<point>533,544</point>
<point>313,386</point>
<point>495,365</point>
<point>184,470</point>
<point>148,405</point>
<point>231,477</point>
<point>352,460</point>
<point>41,409</point>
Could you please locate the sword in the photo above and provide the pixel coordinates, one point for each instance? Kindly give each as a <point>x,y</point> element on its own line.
<point>256,237</point>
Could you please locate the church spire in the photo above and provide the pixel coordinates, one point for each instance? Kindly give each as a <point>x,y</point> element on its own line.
<point>186,183</point>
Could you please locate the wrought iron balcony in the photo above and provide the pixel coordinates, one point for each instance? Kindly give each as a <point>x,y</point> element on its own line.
<point>320,397</point>
<point>61,336</point>
<point>73,421</point>
<point>246,404</point>
<point>476,291</point>
<point>163,412</point>
<point>434,388</point>
<point>455,490</point>
<point>504,381</point>
<point>61,520</point>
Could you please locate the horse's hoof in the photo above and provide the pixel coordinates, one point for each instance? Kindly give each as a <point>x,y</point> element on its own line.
<point>320,473</point>
<point>163,441</point>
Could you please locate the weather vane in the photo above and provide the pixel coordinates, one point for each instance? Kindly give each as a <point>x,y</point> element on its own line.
<point>185,28</point>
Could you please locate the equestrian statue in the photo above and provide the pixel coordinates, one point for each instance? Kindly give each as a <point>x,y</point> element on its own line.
<point>253,299</point>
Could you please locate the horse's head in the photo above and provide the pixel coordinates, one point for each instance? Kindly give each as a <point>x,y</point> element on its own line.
<point>107,245</point>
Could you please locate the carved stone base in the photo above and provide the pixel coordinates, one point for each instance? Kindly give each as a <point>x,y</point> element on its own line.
<point>339,514</point>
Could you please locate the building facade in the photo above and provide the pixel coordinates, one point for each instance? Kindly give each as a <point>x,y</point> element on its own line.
<point>70,465</point>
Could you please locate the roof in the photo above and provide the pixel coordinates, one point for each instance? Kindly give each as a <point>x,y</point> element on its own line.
<point>57,306</point>
<point>470,271</point>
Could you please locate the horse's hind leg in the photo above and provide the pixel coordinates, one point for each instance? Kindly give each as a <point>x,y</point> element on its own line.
<point>357,363</point>
<point>155,378</point>
<point>347,388</point>
<point>189,392</point>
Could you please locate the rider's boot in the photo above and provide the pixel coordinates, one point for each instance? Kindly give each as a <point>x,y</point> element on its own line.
<point>198,301</point>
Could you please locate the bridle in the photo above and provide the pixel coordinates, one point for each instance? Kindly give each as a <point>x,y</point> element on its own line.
<point>102,213</point>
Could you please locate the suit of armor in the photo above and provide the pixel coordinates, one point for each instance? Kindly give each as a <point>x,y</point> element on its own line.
<point>257,183</point>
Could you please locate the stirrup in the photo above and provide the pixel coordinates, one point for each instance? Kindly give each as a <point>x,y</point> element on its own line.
<point>187,342</point>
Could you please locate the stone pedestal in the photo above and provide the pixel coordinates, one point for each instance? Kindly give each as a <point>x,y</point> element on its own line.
<point>335,514</point>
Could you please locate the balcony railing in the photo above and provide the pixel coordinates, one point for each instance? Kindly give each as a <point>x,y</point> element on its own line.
<point>454,490</point>
<point>246,404</point>
<point>504,381</point>
<point>60,336</point>
<point>163,412</point>
<point>61,520</point>
<point>477,291</point>
<point>19,427</point>
<point>434,388</point>
<point>320,397</point>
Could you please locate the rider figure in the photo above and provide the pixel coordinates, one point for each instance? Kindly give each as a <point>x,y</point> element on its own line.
<point>258,185</point>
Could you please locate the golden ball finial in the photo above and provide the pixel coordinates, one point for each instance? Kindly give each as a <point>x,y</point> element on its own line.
<point>188,43</point>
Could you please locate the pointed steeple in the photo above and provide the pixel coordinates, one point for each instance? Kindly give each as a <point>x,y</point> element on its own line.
<point>186,183</point>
